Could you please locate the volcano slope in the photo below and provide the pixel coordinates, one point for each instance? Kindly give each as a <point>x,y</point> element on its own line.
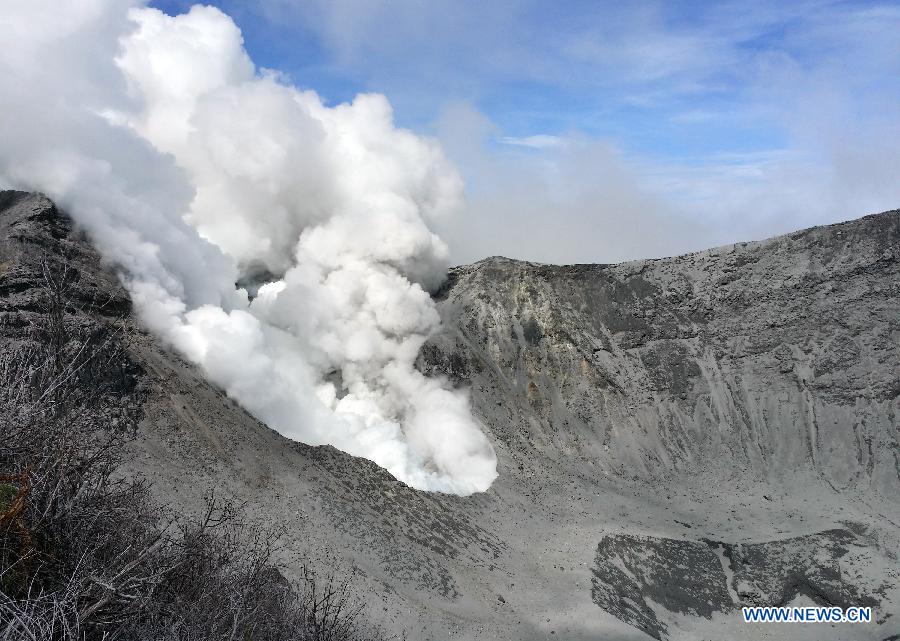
<point>676,438</point>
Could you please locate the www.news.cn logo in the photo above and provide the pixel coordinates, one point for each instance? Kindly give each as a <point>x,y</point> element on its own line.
<point>806,615</point>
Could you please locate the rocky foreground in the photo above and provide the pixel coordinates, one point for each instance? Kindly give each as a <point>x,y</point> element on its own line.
<point>676,438</point>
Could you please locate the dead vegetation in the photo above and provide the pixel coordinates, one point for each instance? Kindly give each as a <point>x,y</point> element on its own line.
<point>85,553</point>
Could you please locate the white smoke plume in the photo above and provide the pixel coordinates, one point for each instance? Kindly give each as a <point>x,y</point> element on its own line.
<point>192,170</point>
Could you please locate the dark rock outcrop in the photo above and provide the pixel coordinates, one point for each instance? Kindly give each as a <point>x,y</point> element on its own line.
<point>702,578</point>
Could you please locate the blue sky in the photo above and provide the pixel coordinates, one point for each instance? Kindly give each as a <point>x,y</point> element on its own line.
<point>727,120</point>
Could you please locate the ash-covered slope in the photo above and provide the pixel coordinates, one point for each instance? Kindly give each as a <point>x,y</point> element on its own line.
<point>770,359</point>
<point>676,438</point>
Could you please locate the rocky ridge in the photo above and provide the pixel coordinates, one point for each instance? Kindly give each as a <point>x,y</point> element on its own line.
<point>676,438</point>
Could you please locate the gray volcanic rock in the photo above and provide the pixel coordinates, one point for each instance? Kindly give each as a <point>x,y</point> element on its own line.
<point>703,578</point>
<point>36,243</point>
<point>770,358</point>
<point>676,438</point>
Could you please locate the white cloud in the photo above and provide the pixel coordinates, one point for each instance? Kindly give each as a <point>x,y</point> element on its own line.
<point>664,89</point>
<point>338,206</point>
<point>576,201</point>
<point>168,117</point>
<point>537,141</point>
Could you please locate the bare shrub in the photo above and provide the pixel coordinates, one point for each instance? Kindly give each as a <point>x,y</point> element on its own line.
<point>84,553</point>
<point>331,612</point>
